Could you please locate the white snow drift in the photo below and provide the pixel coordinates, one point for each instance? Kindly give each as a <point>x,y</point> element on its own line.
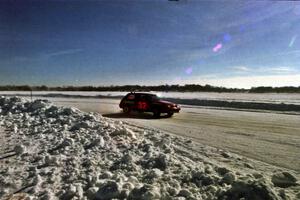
<point>50,152</point>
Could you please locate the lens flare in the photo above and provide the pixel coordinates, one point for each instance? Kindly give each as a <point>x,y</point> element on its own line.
<point>227,37</point>
<point>292,40</point>
<point>242,28</point>
<point>177,79</point>
<point>296,9</point>
<point>217,47</point>
<point>188,70</point>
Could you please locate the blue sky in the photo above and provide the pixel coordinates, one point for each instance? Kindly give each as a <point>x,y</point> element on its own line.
<point>223,43</point>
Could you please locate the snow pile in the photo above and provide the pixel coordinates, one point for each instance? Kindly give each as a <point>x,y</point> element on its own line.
<point>50,152</point>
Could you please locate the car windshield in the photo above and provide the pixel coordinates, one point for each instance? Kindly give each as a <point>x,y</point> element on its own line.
<point>154,97</point>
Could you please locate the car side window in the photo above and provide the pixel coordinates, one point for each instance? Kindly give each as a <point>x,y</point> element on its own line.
<point>142,98</point>
<point>131,97</point>
<point>149,98</point>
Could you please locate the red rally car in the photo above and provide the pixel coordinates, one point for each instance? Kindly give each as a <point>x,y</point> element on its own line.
<point>147,102</point>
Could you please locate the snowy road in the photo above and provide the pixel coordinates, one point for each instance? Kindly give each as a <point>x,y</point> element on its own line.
<point>268,137</point>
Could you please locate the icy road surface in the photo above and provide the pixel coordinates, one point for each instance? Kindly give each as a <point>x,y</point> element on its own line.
<point>266,136</point>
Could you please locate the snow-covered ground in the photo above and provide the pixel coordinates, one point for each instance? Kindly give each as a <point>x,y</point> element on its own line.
<point>51,152</point>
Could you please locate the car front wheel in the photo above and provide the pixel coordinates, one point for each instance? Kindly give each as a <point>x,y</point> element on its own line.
<point>170,114</point>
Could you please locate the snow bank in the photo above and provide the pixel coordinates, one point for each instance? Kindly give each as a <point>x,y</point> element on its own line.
<point>50,152</point>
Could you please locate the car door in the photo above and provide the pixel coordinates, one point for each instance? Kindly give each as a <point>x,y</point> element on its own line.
<point>142,103</point>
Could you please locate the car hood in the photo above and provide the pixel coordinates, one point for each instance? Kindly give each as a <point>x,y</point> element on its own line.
<point>166,102</point>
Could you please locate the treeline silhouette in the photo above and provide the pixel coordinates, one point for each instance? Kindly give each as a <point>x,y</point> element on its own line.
<point>275,89</point>
<point>168,88</point>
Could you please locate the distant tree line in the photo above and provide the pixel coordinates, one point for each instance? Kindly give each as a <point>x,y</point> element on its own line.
<point>167,88</point>
<point>275,89</point>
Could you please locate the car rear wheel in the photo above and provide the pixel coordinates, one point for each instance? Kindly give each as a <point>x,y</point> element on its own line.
<point>126,110</point>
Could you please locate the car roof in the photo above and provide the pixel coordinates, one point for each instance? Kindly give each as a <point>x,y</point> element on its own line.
<point>143,93</point>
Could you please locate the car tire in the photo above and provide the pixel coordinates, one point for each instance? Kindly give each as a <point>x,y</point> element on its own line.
<point>156,113</point>
<point>126,110</point>
<point>170,114</point>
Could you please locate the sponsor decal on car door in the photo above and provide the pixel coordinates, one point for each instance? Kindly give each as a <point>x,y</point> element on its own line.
<point>142,105</point>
